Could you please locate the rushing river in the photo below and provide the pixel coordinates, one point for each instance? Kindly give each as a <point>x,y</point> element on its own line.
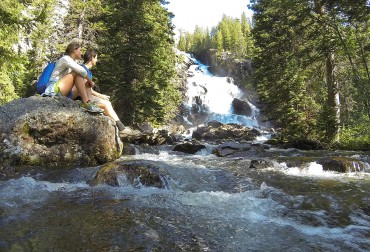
<point>210,204</point>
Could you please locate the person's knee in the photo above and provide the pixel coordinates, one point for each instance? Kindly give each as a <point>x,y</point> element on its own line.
<point>102,106</point>
<point>77,76</point>
<point>106,103</point>
<point>73,73</point>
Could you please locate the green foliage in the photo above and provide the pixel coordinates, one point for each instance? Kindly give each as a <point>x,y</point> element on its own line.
<point>231,35</point>
<point>138,60</point>
<point>311,64</point>
<point>357,135</point>
<point>20,27</point>
<point>136,44</point>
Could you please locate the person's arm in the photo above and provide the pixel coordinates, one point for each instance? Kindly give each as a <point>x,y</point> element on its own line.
<point>78,69</point>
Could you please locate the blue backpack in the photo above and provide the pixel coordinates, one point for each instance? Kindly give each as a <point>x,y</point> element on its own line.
<point>44,78</point>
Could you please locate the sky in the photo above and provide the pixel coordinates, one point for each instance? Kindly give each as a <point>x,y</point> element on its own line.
<point>205,13</point>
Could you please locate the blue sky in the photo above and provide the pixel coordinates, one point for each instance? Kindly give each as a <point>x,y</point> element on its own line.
<point>205,13</point>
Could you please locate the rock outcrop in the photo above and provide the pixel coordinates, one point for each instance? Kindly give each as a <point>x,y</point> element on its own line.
<point>227,65</point>
<point>55,132</point>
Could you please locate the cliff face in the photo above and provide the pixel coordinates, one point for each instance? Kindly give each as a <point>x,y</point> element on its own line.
<point>227,65</point>
<point>182,66</point>
<point>55,132</point>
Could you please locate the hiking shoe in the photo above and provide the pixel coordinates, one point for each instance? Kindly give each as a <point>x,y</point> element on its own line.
<point>91,107</point>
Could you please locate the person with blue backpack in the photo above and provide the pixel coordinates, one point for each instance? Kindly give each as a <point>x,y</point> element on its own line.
<point>68,75</point>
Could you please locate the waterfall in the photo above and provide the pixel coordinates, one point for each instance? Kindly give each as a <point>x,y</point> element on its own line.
<point>210,98</point>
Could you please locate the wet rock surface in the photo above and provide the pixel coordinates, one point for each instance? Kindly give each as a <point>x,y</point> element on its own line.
<point>135,173</point>
<point>189,147</point>
<point>341,164</point>
<point>215,132</point>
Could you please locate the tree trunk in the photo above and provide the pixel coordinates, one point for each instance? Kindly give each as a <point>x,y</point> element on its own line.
<point>81,23</point>
<point>333,100</point>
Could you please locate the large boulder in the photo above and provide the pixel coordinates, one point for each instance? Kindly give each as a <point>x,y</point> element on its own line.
<point>136,173</point>
<point>225,132</point>
<point>241,107</point>
<point>55,132</point>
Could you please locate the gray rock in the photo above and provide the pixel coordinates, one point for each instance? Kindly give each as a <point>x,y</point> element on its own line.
<point>224,132</point>
<point>215,124</point>
<point>135,173</point>
<point>55,132</point>
<point>230,148</point>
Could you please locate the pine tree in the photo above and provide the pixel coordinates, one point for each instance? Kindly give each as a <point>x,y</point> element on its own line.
<point>313,42</point>
<point>138,60</point>
<point>20,26</point>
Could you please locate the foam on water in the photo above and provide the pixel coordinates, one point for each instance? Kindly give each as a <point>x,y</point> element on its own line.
<point>316,170</point>
<point>27,190</point>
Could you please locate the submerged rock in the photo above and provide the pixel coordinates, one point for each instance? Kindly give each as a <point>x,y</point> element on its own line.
<point>337,164</point>
<point>342,164</point>
<point>189,147</point>
<point>55,132</point>
<point>134,173</point>
<point>242,150</point>
<point>229,148</point>
<point>260,164</point>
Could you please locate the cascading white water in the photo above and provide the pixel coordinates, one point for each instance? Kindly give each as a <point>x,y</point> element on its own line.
<point>214,96</point>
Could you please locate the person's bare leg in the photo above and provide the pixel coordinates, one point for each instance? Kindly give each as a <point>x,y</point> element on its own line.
<point>88,91</point>
<point>75,93</point>
<point>81,88</point>
<point>108,109</point>
<point>66,83</point>
<point>72,79</point>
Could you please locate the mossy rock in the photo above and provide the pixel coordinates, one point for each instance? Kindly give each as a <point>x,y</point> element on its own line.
<point>136,173</point>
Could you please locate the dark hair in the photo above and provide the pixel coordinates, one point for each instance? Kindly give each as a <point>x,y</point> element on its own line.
<point>72,46</point>
<point>89,54</point>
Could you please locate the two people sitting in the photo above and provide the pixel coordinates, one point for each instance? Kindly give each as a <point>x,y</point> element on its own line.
<point>75,81</point>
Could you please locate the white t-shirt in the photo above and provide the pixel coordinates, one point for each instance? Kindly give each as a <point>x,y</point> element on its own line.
<point>63,66</point>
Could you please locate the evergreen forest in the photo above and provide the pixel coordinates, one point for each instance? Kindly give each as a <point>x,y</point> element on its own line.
<point>310,58</point>
<point>134,39</point>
